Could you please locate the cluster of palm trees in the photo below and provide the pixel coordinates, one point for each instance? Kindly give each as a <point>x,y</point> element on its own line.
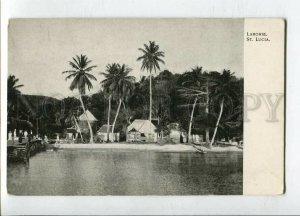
<point>117,83</point>
<point>201,87</point>
<point>216,88</point>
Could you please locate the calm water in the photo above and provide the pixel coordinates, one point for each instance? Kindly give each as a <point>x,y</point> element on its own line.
<point>124,172</point>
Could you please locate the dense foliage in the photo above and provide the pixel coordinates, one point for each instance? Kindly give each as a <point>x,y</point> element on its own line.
<point>173,97</point>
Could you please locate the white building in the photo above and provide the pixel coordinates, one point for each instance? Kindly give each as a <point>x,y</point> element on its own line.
<point>102,133</point>
<point>141,130</point>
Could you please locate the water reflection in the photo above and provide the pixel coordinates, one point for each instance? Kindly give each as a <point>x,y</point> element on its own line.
<point>122,172</point>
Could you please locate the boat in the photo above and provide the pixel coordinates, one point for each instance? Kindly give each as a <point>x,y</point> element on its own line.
<point>201,151</point>
<point>224,143</point>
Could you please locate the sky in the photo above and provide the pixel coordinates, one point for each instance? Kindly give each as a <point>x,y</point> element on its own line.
<point>40,49</point>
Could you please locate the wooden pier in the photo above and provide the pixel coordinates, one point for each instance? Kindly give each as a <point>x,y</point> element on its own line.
<point>24,150</point>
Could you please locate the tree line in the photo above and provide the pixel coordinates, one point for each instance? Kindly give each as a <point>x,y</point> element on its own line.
<point>200,101</point>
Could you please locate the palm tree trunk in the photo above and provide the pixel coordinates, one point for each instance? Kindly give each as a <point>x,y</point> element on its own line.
<point>217,124</point>
<point>37,127</point>
<point>207,135</point>
<point>118,110</point>
<point>87,119</point>
<point>127,113</point>
<point>206,111</point>
<point>159,133</point>
<point>127,119</point>
<point>78,128</point>
<point>191,120</point>
<point>108,117</point>
<point>17,115</point>
<point>150,105</point>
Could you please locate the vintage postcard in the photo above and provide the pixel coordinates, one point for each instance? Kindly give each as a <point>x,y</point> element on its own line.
<point>121,106</point>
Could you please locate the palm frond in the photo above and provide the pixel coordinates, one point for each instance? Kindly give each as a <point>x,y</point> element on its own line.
<point>69,71</point>
<point>19,86</point>
<point>71,75</point>
<point>75,60</point>
<point>90,68</point>
<point>74,83</point>
<point>74,65</point>
<point>91,76</point>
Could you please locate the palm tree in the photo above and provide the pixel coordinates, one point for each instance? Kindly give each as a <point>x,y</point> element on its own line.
<point>81,74</point>
<point>198,79</point>
<point>13,94</point>
<point>124,87</point>
<point>191,119</point>
<point>12,91</point>
<point>150,61</point>
<point>223,88</point>
<point>120,85</point>
<point>108,85</point>
<point>193,87</point>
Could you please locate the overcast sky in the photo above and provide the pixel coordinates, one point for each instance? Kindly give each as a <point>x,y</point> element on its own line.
<point>39,49</point>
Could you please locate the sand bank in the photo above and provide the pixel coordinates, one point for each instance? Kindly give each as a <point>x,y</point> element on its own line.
<point>153,147</point>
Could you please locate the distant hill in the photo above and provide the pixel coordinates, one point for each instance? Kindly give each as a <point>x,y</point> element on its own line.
<point>33,103</point>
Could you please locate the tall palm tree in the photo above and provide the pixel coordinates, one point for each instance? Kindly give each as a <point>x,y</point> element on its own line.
<point>151,58</point>
<point>223,90</point>
<point>124,87</point>
<point>81,74</point>
<point>119,84</point>
<point>108,85</point>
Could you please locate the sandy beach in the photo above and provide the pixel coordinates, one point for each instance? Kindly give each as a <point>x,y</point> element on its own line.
<point>152,147</point>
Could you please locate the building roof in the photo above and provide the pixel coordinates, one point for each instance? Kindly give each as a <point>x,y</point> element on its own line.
<point>142,126</point>
<point>91,117</point>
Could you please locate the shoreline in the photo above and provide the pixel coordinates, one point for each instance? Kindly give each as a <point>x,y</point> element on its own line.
<point>151,147</point>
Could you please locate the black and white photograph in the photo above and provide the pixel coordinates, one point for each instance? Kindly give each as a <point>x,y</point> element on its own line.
<point>125,107</point>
